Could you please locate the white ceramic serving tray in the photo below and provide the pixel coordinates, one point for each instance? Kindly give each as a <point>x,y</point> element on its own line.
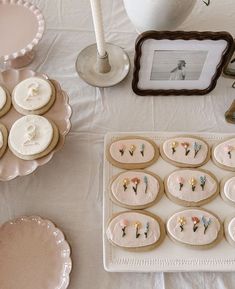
<point>168,257</point>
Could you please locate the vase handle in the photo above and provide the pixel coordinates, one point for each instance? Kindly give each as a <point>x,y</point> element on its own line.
<point>230,113</point>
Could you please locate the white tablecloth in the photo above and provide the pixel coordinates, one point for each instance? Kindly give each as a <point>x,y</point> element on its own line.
<point>68,190</point>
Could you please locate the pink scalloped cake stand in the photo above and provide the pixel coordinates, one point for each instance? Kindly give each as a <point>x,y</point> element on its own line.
<point>34,254</point>
<point>10,165</point>
<point>21,28</point>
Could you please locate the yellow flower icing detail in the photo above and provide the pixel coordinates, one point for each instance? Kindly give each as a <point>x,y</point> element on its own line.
<point>133,148</point>
<point>126,182</point>
<point>193,181</point>
<point>182,221</point>
<point>174,144</point>
<point>137,224</point>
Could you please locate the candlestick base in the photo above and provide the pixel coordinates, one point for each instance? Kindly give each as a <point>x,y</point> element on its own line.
<point>103,65</point>
<point>88,66</point>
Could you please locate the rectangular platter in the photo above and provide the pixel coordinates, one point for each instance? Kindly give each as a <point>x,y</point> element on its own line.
<point>168,257</point>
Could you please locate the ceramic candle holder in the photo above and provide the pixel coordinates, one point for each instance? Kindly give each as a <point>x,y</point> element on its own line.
<point>103,72</point>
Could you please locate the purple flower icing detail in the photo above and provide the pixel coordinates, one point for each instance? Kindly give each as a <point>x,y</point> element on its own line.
<point>146,230</point>
<point>206,223</point>
<point>146,184</point>
<point>142,149</point>
<point>197,147</point>
<point>202,182</point>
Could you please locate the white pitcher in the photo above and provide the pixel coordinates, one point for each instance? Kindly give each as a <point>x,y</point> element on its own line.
<point>158,14</point>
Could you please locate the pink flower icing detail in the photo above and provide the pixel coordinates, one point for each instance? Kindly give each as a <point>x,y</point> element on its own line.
<point>180,180</point>
<point>136,182</point>
<point>121,147</point>
<point>186,145</point>
<point>124,223</point>
<point>228,148</point>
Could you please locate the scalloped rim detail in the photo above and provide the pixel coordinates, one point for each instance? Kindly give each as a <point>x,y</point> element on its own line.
<point>41,27</point>
<point>61,239</point>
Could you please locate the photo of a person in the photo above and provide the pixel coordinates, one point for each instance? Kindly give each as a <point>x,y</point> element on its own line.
<point>179,72</point>
<point>177,65</point>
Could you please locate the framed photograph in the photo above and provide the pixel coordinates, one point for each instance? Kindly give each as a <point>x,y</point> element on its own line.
<point>179,62</point>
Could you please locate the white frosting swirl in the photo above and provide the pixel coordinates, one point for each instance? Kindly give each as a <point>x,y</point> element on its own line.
<point>31,135</point>
<point>32,93</point>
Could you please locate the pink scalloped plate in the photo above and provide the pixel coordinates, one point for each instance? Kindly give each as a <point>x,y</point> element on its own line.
<point>21,28</point>
<point>34,255</point>
<point>10,165</point>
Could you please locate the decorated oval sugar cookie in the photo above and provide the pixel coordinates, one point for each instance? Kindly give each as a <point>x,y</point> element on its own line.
<point>135,230</point>
<point>227,189</point>
<point>132,153</point>
<point>136,189</point>
<point>194,227</point>
<point>191,187</point>
<point>229,229</point>
<point>223,154</point>
<point>185,151</point>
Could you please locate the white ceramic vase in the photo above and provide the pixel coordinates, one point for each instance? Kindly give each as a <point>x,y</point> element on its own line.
<point>158,14</point>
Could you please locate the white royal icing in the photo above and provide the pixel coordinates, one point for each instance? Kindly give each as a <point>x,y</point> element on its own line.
<point>32,93</point>
<point>186,193</point>
<point>221,155</point>
<point>137,158</point>
<point>231,229</point>
<point>31,135</point>
<point>188,236</point>
<point>128,196</point>
<point>179,155</point>
<point>229,189</point>
<point>3,97</point>
<point>114,230</point>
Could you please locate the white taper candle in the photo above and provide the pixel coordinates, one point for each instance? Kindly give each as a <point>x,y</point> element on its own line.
<point>98,25</point>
